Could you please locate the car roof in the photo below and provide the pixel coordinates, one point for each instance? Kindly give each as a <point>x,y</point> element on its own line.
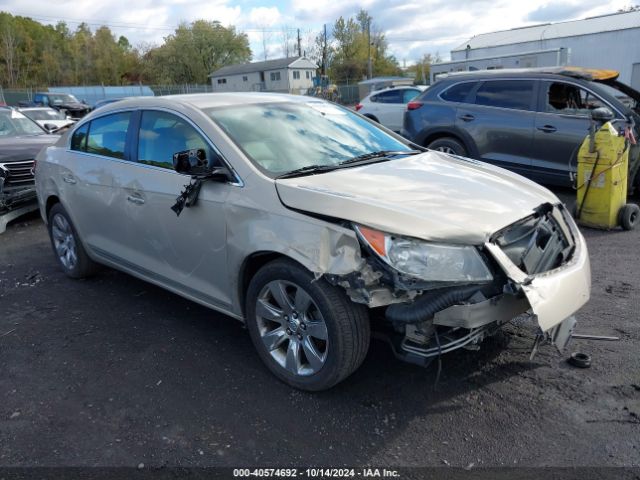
<point>568,71</point>
<point>208,100</point>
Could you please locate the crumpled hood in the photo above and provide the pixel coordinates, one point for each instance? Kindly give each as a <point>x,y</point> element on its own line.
<point>16,149</point>
<point>432,196</point>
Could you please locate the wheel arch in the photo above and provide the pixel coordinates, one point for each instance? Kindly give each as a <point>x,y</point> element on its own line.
<point>51,201</point>
<point>250,266</point>
<point>462,137</point>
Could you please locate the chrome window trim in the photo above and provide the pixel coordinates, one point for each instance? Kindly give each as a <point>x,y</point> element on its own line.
<point>568,80</point>
<point>238,180</point>
<point>455,84</point>
<point>619,114</point>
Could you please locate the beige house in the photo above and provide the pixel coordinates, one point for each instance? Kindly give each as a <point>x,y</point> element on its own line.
<point>284,75</point>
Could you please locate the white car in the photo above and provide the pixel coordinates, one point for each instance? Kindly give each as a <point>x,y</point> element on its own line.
<point>387,106</point>
<point>47,118</point>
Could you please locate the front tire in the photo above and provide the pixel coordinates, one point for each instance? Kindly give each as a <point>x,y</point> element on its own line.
<point>67,245</point>
<point>306,331</point>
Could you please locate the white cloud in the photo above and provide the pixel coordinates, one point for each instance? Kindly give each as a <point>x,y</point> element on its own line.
<point>412,27</point>
<point>265,16</point>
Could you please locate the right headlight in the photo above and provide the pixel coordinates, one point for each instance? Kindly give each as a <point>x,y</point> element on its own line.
<point>433,262</point>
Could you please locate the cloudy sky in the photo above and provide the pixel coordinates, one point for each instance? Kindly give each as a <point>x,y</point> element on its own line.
<point>412,27</point>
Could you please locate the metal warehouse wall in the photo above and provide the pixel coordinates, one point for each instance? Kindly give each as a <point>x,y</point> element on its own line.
<point>617,50</point>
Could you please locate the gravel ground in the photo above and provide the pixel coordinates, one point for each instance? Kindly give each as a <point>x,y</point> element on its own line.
<point>113,371</point>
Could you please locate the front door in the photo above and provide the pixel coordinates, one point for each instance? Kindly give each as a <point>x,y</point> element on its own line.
<point>561,126</point>
<point>186,253</point>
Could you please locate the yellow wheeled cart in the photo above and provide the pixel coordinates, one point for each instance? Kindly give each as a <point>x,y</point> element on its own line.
<point>603,164</point>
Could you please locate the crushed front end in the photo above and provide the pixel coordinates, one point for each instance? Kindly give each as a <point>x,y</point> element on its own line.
<point>436,298</point>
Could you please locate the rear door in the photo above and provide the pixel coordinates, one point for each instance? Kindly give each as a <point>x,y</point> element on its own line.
<point>388,104</point>
<point>97,150</point>
<point>561,125</point>
<point>500,118</point>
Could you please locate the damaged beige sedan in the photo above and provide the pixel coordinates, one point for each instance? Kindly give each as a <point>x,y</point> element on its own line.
<point>312,225</point>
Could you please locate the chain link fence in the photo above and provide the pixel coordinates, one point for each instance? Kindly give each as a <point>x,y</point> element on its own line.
<point>346,94</point>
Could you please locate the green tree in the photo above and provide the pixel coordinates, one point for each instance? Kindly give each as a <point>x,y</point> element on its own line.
<point>353,41</point>
<point>421,71</point>
<point>195,50</point>
<point>37,55</point>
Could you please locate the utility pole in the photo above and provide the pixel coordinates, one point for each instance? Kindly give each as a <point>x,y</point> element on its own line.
<point>324,52</point>
<point>369,66</point>
<point>299,44</point>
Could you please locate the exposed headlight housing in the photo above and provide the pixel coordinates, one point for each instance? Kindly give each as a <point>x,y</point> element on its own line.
<point>427,261</point>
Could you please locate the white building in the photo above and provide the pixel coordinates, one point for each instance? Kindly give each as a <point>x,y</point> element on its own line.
<point>285,75</point>
<point>608,41</point>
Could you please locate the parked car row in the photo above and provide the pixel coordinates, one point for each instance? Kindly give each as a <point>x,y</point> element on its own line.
<point>311,224</point>
<point>63,102</point>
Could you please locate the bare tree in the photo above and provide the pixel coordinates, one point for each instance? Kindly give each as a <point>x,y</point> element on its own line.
<point>9,42</point>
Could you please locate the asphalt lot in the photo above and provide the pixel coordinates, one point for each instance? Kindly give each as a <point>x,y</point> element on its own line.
<point>112,371</point>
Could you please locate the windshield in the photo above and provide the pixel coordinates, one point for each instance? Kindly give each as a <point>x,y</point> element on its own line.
<point>48,114</point>
<point>60,98</point>
<point>14,124</point>
<point>286,136</point>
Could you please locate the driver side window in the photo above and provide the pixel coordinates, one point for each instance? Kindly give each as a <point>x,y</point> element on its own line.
<point>570,99</point>
<point>162,134</point>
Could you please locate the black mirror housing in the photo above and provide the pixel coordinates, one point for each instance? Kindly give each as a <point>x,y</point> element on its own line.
<point>602,114</point>
<point>50,127</point>
<point>194,162</point>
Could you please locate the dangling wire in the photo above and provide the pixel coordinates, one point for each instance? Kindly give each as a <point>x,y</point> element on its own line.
<point>435,384</point>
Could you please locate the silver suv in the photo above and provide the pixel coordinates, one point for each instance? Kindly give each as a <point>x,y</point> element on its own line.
<point>312,225</point>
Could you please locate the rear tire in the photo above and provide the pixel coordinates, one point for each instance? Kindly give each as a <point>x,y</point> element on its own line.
<point>448,145</point>
<point>629,216</point>
<point>67,246</point>
<point>307,332</point>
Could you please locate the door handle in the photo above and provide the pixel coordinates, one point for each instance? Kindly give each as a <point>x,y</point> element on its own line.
<point>69,179</point>
<point>467,117</point>
<point>135,199</point>
<point>548,129</point>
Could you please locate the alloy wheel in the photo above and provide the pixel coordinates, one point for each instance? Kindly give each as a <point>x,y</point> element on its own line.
<point>292,328</point>
<point>446,149</point>
<point>64,241</point>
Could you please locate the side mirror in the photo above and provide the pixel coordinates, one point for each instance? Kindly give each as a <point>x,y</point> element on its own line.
<point>602,114</point>
<point>194,162</point>
<point>50,127</point>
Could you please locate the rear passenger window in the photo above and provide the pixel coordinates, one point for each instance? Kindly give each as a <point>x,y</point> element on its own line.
<point>163,134</point>
<point>458,93</point>
<point>515,94</point>
<point>409,94</point>
<point>391,96</point>
<point>107,135</point>
<point>79,138</point>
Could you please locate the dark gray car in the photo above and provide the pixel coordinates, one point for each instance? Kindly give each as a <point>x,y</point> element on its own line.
<point>531,122</point>
<point>20,141</point>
